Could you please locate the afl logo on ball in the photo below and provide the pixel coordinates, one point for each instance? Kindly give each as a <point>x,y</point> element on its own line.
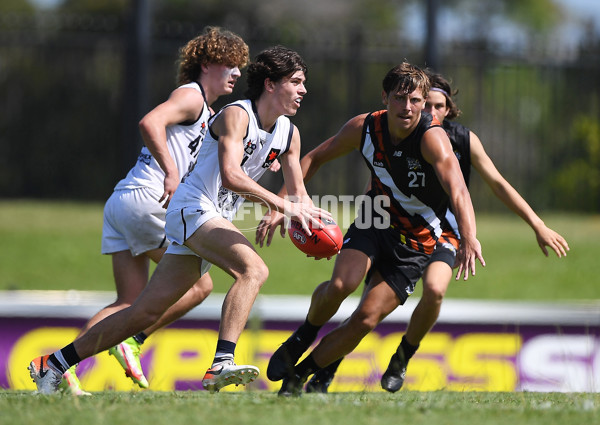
<point>300,237</point>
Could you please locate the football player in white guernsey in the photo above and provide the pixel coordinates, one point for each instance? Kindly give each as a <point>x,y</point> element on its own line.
<point>134,215</point>
<point>245,139</point>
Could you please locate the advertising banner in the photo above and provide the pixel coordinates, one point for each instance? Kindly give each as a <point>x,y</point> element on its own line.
<point>475,346</point>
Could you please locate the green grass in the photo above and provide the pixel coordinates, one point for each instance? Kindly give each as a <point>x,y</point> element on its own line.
<point>52,245</point>
<point>254,408</point>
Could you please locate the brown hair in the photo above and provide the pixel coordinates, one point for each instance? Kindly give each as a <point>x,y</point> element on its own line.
<point>214,45</point>
<point>439,82</point>
<point>273,63</point>
<point>406,78</point>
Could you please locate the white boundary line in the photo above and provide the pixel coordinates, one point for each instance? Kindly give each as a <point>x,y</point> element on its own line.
<point>84,304</point>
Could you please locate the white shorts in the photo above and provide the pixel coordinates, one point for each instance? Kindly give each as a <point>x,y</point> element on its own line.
<point>188,210</point>
<point>133,220</point>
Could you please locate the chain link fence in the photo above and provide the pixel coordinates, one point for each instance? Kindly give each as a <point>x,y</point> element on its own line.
<point>74,87</point>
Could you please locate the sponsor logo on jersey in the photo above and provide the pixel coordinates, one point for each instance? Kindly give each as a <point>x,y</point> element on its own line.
<point>250,147</point>
<point>226,199</point>
<point>378,159</point>
<point>271,157</point>
<point>145,158</point>
<point>413,164</point>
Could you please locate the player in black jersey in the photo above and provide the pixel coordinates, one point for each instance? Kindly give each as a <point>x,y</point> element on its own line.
<point>436,278</point>
<point>413,169</point>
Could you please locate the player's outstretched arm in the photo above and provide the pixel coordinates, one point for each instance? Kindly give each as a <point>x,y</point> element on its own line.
<point>347,139</point>
<point>437,150</point>
<point>503,190</point>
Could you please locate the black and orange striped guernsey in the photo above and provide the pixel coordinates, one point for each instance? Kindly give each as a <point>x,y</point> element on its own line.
<point>417,201</point>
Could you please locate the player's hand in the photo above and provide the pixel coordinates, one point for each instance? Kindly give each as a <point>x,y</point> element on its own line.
<point>268,225</point>
<point>275,166</point>
<point>305,213</point>
<point>170,184</point>
<point>548,237</point>
<point>468,252</point>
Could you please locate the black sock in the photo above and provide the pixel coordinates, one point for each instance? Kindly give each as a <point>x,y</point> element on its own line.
<point>407,348</point>
<point>307,332</point>
<point>69,358</point>
<point>140,338</point>
<point>58,365</point>
<point>306,367</point>
<point>225,350</point>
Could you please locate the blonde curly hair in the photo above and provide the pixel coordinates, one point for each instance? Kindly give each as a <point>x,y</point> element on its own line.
<point>214,45</point>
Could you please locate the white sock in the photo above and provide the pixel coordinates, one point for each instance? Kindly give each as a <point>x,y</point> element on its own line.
<point>222,358</point>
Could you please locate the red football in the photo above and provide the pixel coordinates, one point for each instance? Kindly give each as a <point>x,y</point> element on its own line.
<point>322,243</point>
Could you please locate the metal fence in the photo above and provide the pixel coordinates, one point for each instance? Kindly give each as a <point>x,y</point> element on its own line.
<point>75,85</point>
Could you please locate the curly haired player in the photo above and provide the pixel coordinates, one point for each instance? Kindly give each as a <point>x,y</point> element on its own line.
<point>234,155</point>
<point>134,215</point>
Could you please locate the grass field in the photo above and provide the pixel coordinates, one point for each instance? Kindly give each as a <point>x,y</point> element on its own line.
<point>56,245</point>
<point>253,408</point>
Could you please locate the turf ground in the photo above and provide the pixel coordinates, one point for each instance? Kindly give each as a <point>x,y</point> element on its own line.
<point>254,408</point>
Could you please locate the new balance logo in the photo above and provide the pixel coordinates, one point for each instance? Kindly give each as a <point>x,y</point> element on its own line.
<point>397,153</point>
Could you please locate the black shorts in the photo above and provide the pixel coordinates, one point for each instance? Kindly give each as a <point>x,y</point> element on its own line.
<point>400,266</point>
<point>444,252</point>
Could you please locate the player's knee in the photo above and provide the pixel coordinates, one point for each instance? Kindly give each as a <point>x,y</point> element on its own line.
<point>433,294</point>
<point>256,273</point>
<point>364,322</point>
<point>339,288</point>
<point>146,318</point>
<point>202,288</point>
<point>200,292</point>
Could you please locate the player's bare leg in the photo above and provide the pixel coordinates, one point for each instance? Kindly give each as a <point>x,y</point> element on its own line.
<point>128,352</point>
<point>222,244</point>
<point>350,269</point>
<point>436,278</point>
<point>379,301</point>
<point>173,277</point>
<point>131,276</point>
<point>192,298</point>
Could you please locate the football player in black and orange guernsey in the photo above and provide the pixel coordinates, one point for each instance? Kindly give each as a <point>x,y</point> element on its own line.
<point>416,177</point>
